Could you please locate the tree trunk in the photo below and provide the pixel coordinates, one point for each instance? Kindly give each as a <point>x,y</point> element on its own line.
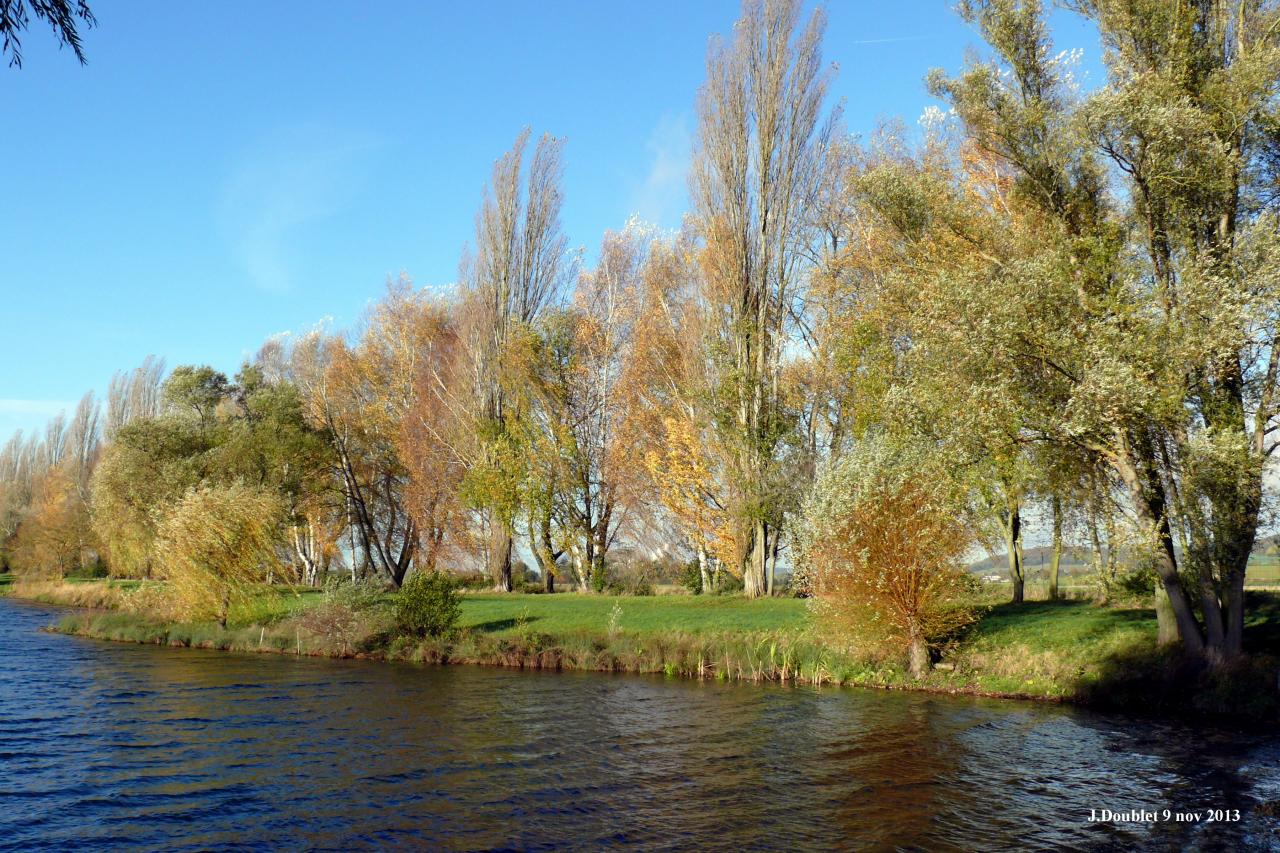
<point>1147,494</point>
<point>753,573</point>
<point>772,563</point>
<point>1012,527</point>
<point>1166,622</point>
<point>918,660</point>
<point>500,555</point>
<point>1099,566</point>
<point>1055,557</point>
<point>579,568</point>
<point>703,574</point>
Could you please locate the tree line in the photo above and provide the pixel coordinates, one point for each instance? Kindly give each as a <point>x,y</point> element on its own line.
<point>1050,306</point>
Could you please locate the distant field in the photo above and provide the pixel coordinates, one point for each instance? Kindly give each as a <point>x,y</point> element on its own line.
<point>1264,570</point>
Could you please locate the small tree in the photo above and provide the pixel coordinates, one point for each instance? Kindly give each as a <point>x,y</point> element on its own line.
<point>216,541</point>
<point>883,537</point>
<point>428,605</point>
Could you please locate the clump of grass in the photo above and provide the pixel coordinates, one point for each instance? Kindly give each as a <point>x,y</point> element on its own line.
<point>94,594</point>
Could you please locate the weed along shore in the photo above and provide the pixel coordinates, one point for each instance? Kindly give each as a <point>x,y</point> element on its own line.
<point>1061,651</point>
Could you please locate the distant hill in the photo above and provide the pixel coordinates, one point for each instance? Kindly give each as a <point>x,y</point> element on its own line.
<point>1077,561</point>
<point>1073,562</point>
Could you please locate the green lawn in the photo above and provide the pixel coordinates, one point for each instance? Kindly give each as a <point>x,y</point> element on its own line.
<point>571,612</point>
<point>1046,647</point>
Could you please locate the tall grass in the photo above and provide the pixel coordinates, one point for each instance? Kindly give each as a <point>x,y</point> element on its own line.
<point>93,594</point>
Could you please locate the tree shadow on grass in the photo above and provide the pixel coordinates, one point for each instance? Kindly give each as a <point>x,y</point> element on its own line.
<point>495,625</point>
<point>1042,619</point>
<point>1144,679</point>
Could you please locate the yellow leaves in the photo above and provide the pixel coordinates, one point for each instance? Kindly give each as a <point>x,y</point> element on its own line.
<point>687,487</point>
<point>49,539</point>
<point>214,542</point>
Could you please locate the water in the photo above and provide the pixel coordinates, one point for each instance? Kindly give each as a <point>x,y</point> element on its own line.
<point>119,746</point>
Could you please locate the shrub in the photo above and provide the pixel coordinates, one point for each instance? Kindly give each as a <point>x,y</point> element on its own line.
<point>428,605</point>
<point>883,535</point>
<point>348,615</point>
<point>691,577</point>
<point>632,587</point>
<point>151,600</point>
<point>729,583</point>
<point>1138,585</point>
<point>216,542</point>
<point>93,570</point>
<point>599,578</point>
<point>474,581</point>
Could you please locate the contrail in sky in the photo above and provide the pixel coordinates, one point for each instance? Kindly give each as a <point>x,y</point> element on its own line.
<point>888,40</point>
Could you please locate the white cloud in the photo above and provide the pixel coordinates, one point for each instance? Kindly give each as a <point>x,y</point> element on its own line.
<point>287,181</point>
<point>661,197</point>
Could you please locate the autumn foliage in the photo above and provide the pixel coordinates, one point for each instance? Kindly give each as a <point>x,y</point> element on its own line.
<point>216,541</point>
<point>885,545</point>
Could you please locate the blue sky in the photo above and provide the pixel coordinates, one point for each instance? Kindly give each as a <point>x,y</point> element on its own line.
<point>221,172</point>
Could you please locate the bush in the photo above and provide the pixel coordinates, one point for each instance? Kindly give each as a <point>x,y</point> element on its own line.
<point>1138,585</point>
<point>478,581</point>
<point>635,587</point>
<point>884,536</point>
<point>428,605</point>
<point>347,616</point>
<point>599,579</point>
<point>691,577</point>
<point>729,583</point>
<point>93,569</point>
<point>152,600</point>
<point>215,543</point>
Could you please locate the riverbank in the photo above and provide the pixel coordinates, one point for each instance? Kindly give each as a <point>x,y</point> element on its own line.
<point>1065,651</point>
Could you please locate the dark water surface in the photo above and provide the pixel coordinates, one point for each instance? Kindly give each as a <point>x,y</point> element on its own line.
<point>119,746</point>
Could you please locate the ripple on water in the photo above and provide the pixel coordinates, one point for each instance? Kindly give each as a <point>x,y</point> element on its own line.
<point>108,746</point>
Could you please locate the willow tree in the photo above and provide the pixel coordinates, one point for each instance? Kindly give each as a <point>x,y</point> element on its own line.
<point>884,538</point>
<point>1151,342</point>
<point>519,267</point>
<point>757,167</point>
<point>214,543</point>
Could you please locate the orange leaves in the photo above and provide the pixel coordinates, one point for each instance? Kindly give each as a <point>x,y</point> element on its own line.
<point>883,537</point>
<point>56,527</point>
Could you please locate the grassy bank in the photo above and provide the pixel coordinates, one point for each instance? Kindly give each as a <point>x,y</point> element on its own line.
<point>1071,651</point>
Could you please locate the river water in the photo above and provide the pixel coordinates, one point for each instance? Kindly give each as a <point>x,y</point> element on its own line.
<point>106,746</point>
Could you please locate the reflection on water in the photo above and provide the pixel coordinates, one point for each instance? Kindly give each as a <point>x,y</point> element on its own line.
<point>110,745</point>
